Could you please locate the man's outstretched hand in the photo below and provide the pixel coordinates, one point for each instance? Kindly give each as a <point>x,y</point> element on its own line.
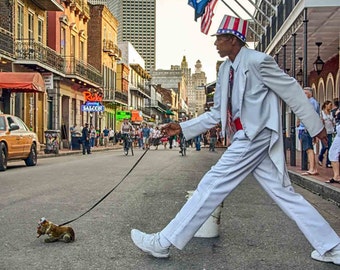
<point>171,129</point>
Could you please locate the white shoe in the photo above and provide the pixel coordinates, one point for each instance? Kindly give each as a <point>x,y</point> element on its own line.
<point>149,243</point>
<point>332,256</point>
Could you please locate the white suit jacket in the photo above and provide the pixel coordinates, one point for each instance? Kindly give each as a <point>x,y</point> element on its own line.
<point>261,84</point>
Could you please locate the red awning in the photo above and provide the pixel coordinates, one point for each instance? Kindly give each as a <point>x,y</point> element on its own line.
<point>22,81</point>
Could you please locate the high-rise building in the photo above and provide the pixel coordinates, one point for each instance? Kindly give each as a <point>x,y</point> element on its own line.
<point>137,24</point>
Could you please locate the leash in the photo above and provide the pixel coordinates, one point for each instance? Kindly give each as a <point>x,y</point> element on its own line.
<point>107,194</point>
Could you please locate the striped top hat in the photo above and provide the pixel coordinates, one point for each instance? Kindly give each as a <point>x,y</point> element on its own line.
<point>234,26</point>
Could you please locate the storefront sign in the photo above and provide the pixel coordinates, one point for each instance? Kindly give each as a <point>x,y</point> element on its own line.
<point>121,115</point>
<point>48,79</point>
<point>92,97</point>
<point>92,107</point>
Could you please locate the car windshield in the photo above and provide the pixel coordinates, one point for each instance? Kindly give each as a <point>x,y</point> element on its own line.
<point>2,123</point>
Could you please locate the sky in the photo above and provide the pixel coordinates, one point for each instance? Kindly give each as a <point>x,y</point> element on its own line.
<point>178,35</point>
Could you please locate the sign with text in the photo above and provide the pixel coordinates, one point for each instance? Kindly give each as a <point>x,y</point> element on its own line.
<point>92,97</point>
<point>121,115</point>
<point>92,107</point>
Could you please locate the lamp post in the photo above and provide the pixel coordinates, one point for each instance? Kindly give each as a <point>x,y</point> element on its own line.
<point>318,64</point>
<point>299,75</point>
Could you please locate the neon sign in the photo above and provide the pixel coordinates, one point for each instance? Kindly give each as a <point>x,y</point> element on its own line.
<point>92,97</point>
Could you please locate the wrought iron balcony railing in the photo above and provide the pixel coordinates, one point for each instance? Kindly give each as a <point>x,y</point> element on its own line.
<point>6,44</point>
<point>109,95</point>
<point>121,97</point>
<point>112,49</point>
<point>156,104</point>
<point>28,49</point>
<point>145,110</point>
<point>75,67</point>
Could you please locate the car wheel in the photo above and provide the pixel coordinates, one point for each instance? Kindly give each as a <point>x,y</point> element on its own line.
<point>3,157</point>
<point>33,157</point>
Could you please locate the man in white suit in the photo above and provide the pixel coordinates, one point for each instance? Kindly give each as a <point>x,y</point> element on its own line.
<point>257,84</point>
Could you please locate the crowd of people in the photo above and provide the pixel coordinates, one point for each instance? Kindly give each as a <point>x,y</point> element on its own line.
<point>328,155</point>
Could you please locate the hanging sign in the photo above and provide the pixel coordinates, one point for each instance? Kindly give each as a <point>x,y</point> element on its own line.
<point>92,107</point>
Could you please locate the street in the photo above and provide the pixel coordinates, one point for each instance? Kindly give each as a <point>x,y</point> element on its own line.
<point>254,232</point>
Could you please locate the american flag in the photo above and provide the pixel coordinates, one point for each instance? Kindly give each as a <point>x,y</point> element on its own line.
<point>207,16</point>
<point>199,6</point>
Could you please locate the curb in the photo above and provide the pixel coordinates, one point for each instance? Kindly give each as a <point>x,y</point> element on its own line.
<point>324,190</point>
<point>73,152</point>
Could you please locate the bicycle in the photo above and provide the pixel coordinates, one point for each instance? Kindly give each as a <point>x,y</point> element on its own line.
<point>183,145</point>
<point>128,144</point>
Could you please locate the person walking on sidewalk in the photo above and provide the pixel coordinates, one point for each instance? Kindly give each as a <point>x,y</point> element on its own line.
<point>329,123</point>
<point>334,152</point>
<point>254,124</point>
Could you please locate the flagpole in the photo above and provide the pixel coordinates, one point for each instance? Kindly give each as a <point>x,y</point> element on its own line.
<point>259,10</point>
<point>251,16</point>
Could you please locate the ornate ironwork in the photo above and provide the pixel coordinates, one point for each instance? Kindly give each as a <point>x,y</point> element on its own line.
<point>28,49</point>
<point>6,44</point>
<point>121,97</point>
<point>77,67</point>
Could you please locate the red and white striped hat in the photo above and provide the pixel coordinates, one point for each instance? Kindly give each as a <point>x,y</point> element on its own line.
<point>234,26</point>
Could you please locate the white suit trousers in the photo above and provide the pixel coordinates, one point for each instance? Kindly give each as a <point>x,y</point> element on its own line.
<point>240,159</point>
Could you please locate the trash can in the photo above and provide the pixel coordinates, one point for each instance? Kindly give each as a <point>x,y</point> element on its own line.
<point>52,138</point>
<point>210,227</point>
<point>76,142</point>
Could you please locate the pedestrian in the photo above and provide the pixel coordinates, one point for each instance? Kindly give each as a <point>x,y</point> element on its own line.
<point>212,138</point>
<point>308,141</point>
<point>334,152</point>
<point>254,126</point>
<point>92,136</point>
<point>329,123</point>
<point>106,133</point>
<point>86,139</point>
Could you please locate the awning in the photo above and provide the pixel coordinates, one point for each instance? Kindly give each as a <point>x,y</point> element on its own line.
<point>169,112</point>
<point>22,81</point>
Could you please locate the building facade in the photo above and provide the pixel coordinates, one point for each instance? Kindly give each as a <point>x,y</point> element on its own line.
<point>137,20</point>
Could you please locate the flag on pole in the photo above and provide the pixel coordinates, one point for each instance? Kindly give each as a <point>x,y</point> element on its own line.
<point>207,16</point>
<point>199,6</point>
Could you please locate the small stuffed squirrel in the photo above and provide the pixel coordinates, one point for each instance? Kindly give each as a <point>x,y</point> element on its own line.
<point>54,232</point>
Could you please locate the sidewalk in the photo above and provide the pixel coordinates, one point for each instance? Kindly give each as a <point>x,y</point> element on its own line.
<point>313,183</point>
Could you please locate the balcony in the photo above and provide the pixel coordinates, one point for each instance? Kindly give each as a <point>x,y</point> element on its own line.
<point>75,68</point>
<point>112,49</point>
<point>156,104</point>
<point>30,52</point>
<point>146,111</point>
<point>50,5</point>
<point>109,95</point>
<point>121,98</point>
<point>6,44</point>
<point>141,90</point>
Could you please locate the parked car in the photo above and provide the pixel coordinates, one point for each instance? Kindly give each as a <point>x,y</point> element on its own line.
<point>17,142</point>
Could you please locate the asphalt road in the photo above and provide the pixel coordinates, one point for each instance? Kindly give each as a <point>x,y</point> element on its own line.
<point>254,232</point>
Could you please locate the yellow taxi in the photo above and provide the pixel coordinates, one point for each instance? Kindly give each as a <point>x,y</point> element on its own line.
<point>17,142</point>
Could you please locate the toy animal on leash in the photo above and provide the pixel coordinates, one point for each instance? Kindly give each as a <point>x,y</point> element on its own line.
<point>54,232</point>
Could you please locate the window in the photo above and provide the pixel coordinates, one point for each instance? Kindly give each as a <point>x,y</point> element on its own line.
<point>40,30</point>
<point>63,41</point>
<point>20,23</point>
<point>30,26</point>
<point>81,50</point>
<point>73,45</point>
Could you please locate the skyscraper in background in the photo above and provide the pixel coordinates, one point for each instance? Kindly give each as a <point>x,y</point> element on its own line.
<point>137,24</point>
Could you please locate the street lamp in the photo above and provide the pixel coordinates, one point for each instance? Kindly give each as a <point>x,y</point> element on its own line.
<point>318,64</point>
<point>299,75</point>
